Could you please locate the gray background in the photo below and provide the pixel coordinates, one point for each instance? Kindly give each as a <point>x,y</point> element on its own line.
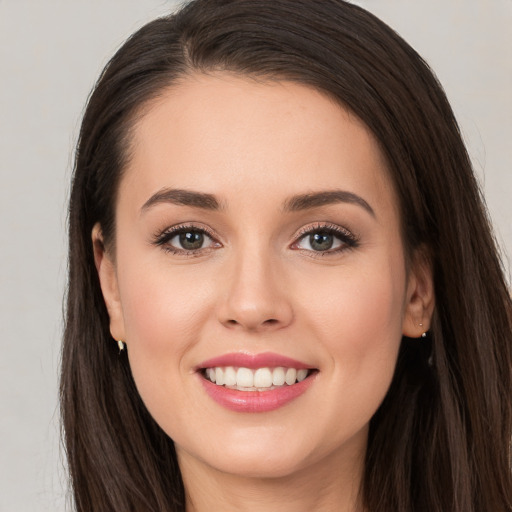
<point>51,52</point>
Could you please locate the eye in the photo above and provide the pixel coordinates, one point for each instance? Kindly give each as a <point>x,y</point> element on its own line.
<point>189,240</point>
<point>319,241</point>
<point>325,239</point>
<point>186,240</point>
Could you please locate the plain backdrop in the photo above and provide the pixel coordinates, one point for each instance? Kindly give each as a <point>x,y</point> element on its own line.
<point>51,52</point>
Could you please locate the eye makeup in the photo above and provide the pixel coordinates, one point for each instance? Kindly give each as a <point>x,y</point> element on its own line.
<point>324,238</point>
<point>192,239</point>
<point>318,239</point>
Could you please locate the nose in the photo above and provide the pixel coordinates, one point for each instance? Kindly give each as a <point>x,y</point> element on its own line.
<point>255,298</point>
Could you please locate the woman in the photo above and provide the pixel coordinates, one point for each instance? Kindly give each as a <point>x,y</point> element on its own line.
<point>284,292</point>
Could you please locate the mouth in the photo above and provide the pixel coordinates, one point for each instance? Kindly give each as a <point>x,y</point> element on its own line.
<point>255,383</point>
<point>255,379</point>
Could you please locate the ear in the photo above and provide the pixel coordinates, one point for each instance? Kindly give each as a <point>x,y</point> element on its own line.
<point>108,282</point>
<point>420,299</point>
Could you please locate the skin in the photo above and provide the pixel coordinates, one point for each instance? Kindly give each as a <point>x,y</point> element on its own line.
<point>257,286</point>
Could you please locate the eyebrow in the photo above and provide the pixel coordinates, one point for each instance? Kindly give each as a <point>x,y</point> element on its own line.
<point>317,199</point>
<point>182,197</point>
<point>296,203</point>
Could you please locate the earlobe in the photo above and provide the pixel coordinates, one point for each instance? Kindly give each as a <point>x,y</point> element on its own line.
<point>420,297</point>
<point>108,282</point>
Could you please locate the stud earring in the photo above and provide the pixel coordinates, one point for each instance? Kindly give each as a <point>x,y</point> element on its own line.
<point>424,335</point>
<point>120,344</point>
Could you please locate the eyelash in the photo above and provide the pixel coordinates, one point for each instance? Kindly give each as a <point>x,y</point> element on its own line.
<point>162,239</point>
<point>348,240</point>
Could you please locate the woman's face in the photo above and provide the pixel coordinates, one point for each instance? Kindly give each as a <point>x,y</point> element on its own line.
<point>257,233</point>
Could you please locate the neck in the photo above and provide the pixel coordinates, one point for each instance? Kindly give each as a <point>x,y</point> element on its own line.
<point>329,485</point>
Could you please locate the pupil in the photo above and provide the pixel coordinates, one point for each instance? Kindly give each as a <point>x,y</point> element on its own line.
<point>191,240</point>
<point>321,241</point>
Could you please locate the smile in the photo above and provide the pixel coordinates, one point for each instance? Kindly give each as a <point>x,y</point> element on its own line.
<point>264,382</point>
<point>260,379</point>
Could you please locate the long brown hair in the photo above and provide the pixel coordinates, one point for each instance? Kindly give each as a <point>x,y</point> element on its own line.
<point>441,439</point>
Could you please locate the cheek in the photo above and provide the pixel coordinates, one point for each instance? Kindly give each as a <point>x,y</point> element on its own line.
<point>163,312</point>
<point>162,305</point>
<point>360,326</point>
<point>357,309</point>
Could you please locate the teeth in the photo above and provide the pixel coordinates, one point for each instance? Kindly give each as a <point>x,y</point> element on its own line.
<point>301,374</point>
<point>247,379</point>
<point>229,376</point>
<point>278,376</point>
<point>262,378</point>
<point>291,376</point>
<point>244,378</point>
<point>219,376</point>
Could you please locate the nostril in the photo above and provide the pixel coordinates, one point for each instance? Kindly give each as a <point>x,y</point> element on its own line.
<point>271,322</point>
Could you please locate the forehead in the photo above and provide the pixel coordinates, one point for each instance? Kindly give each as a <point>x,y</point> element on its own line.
<point>223,133</point>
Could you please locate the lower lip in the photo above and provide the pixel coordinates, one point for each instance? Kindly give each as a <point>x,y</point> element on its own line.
<point>256,401</point>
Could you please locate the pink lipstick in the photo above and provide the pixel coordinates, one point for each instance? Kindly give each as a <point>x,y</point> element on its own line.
<point>255,383</point>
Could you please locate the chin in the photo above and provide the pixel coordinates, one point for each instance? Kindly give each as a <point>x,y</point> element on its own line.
<point>259,465</point>
<point>254,454</point>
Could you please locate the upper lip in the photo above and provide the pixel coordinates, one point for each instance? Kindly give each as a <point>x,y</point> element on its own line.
<point>253,361</point>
